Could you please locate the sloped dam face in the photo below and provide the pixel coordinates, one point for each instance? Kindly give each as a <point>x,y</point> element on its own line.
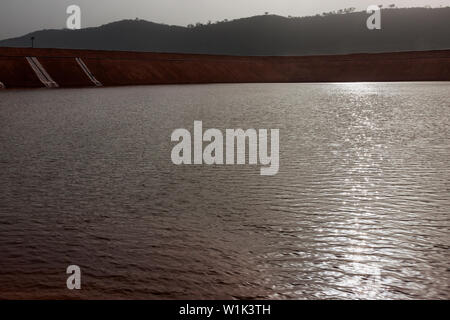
<point>33,68</point>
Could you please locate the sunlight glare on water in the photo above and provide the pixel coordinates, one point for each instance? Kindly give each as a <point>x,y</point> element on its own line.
<point>359,208</point>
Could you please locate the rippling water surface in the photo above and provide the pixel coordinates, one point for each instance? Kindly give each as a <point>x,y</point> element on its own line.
<point>359,209</point>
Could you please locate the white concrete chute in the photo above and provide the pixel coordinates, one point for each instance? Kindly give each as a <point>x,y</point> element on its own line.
<point>41,73</point>
<point>88,72</point>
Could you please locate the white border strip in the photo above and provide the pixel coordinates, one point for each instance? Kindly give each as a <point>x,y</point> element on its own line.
<point>37,71</point>
<point>41,73</point>
<point>88,72</point>
<point>36,61</point>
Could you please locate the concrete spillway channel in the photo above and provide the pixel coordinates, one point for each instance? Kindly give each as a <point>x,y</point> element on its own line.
<point>88,72</point>
<point>49,82</point>
<point>41,73</point>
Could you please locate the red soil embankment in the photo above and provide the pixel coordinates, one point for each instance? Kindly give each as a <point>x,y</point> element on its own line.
<point>65,71</point>
<point>114,68</point>
<point>15,72</point>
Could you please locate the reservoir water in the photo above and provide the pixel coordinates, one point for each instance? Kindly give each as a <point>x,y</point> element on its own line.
<point>360,207</point>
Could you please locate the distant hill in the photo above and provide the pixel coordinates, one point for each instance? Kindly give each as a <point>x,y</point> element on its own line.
<point>412,29</point>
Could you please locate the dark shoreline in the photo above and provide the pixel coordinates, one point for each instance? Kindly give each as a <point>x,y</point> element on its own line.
<point>117,68</point>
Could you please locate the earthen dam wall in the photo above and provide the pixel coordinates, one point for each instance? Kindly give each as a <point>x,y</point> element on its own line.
<point>34,68</point>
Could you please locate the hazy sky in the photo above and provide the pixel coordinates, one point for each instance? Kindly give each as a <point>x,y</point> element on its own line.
<point>18,17</point>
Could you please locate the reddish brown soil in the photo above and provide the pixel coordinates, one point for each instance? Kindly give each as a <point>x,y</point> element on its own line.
<point>113,68</point>
<point>15,72</point>
<point>65,72</point>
